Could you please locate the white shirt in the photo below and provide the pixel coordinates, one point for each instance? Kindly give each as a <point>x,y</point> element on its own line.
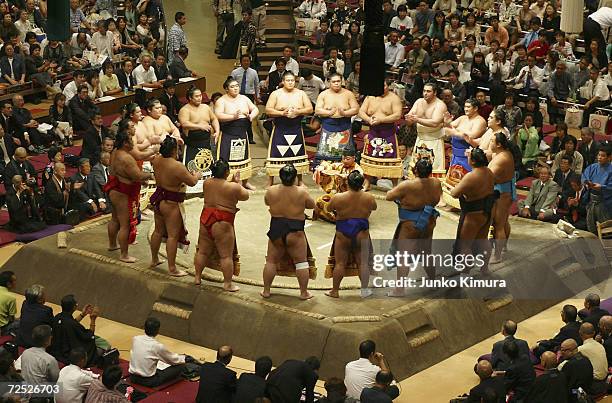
<point>596,353</point>
<point>312,87</point>
<point>358,375</point>
<point>103,43</point>
<point>536,76</point>
<point>600,89</point>
<point>292,66</point>
<point>315,9</point>
<point>539,11</point>
<point>70,90</point>
<point>603,17</point>
<point>394,54</point>
<point>73,383</point>
<point>147,352</point>
<point>502,68</point>
<point>142,76</point>
<point>329,63</point>
<point>397,23</point>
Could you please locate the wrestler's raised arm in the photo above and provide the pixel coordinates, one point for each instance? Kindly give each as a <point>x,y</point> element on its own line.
<point>174,131</point>
<point>477,130</point>
<point>437,118</point>
<point>373,203</point>
<point>363,114</point>
<point>189,178</point>
<point>307,109</point>
<point>220,112</point>
<point>143,155</point>
<point>133,173</point>
<point>271,110</point>
<point>396,111</point>
<point>242,194</point>
<point>253,110</point>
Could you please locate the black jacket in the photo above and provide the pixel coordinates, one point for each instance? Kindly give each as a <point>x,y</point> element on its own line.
<point>69,334</point>
<point>578,371</point>
<point>178,69</point>
<point>92,144</point>
<point>23,211</point>
<point>285,383</point>
<point>89,190</point>
<point>32,315</point>
<point>477,393</point>
<point>569,331</point>
<point>172,104</point>
<point>12,129</point>
<point>81,112</point>
<point>249,387</point>
<point>551,386</point>
<point>18,68</point>
<point>25,169</point>
<point>519,377</point>
<point>566,189</point>
<point>217,383</point>
<point>589,156</point>
<point>499,360</point>
<point>125,80</point>
<point>593,317</point>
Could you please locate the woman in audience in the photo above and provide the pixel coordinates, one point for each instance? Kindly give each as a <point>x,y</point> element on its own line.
<point>127,43</point>
<point>549,68</point>
<point>426,44</point>
<point>479,74</point>
<point>112,28</point>
<point>23,24</point>
<point>560,136</point>
<point>471,28</point>
<point>453,31</point>
<point>513,115</point>
<point>131,15</point>
<point>39,71</point>
<point>93,85</point>
<point>55,155</point>
<point>524,16</point>
<point>334,39</point>
<point>438,26</point>
<point>353,37</point>
<point>598,57</point>
<point>149,48</point>
<point>467,56</point>
<point>402,23</point>
<point>348,62</point>
<point>529,141</point>
<point>61,119</point>
<point>569,146</point>
<point>109,83</point>
<point>533,107</point>
<point>143,30</point>
<point>352,82</point>
<point>551,23</point>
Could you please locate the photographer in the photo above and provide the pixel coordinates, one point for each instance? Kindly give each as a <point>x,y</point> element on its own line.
<point>23,210</point>
<point>19,165</point>
<point>57,195</point>
<point>333,64</point>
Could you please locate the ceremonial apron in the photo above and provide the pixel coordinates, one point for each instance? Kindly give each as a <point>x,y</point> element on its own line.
<point>233,146</point>
<point>335,138</point>
<point>287,146</point>
<point>379,157</point>
<point>198,155</point>
<point>433,139</point>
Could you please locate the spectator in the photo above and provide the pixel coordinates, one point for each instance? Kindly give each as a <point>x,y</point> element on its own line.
<point>335,392</point>
<point>361,374</point>
<point>40,72</point>
<point>444,57</point>
<point>529,141</point>
<point>519,374</point>
<point>592,313</point>
<point>143,29</point>
<point>20,165</point>
<point>8,373</point>
<point>512,115</point>
<point>532,35</point>
<point>311,85</point>
<point>217,382</point>
<point>38,366</point>
<point>560,136</point>
<point>275,78</point>
<point>176,36</point>
<point>598,178</point>
<point>423,19</point>
<point>8,305</point>
<point>499,360</point>
<point>74,381</point>
<point>105,391</point>
<point>576,367</point>
<point>103,40</point>
<point>457,89</point>
<point>286,383</point>
<point>78,79</point>
<point>497,32</point>
<point>12,66</point>
<point>24,119</point>
<point>252,386</point>
<point>92,138</point>
<point>388,15</point>
<point>161,67</point>
<point>577,205</point>
<point>417,57</point>
<point>588,147</point>
<point>563,47</point>
<point>596,353</point>
<point>532,107</point>
<point>34,312</point>
<point>290,63</point>
<point>451,105</point>
<point>99,172</point>
<point>471,27</point>
<point>378,392</point>
<point>124,75</point>
<point>144,74</point>
<point>69,334</point>
<point>539,48</point>
<point>224,11</point>
<point>563,177</point>
<point>542,198</point>
<point>109,83</point>
<point>23,211</point>
<point>479,74</point>
<point>112,29</point>
<point>559,88</point>
<point>423,78</point>
<point>82,108</point>
<point>594,94</point>
<point>581,74</point>
<point>333,64</point>
<point>178,68</point>
<point>6,150</point>
<point>551,386</point>
<point>354,39</point>
<point>172,103</point>
<point>61,119</point>
<point>128,45</point>
<point>605,332</point>
<point>320,34</point>
<point>35,15</point>
<point>86,196</point>
<point>341,12</point>
<point>77,18</point>
<point>488,383</point>
<point>598,58</point>
<point>147,352</point>
<point>56,196</point>
<point>352,82</point>
<point>54,53</point>
<point>8,28</point>
<point>394,52</point>
<point>402,23</point>
<point>530,78</point>
<point>569,149</point>
<point>149,46</point>
<point>313,9</point>
<point>333,39</point>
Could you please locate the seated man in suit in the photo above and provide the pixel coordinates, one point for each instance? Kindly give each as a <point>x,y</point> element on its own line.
<point>82,108</point>
<point>551,386</point>
<point>576,367</point>
<point>24,215</point>
<point>178,68</point>
<point>99,172</point>
<point>569,314</point>
<point>34,312</point>
<point>124,75</point>
<point>519,374</point>
<point>577,204</point>
<point>252,386</point>
<point>7,149</point>
<point>487,381</point>
<point>85,195</point>
<point>605,332</point>
<point>588,146</point>
<point>12,129</point>
<point>562,177</point>
<point>377,393</point>
<point>57,195</point>
<point>12,66</point>
<point>592,312</point>
<point>93,138</point>
<point>217,382</point>
<point>171,101</point>
<point>19,165</point>
<point>499,360</point>
<point>24,118</point>
<point>541,202</point>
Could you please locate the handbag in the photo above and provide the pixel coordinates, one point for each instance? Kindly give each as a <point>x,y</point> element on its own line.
<point>598,122</point>
<point>573,117</point>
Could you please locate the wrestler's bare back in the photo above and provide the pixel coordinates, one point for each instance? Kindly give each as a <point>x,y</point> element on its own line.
<point>224,195</point>
<point>502,166</point>
<point>341,100</point>
<point>417,193</point>
<point>171,174</point>
<point>288,201</point>
<point>352,204</point>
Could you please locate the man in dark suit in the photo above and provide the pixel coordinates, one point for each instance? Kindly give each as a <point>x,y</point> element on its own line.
<point>12,66</point>
<point>124,75</point>
<point>588,147</point>
<point>23,210</point>
<point>377,393</point>
<point>568,331</point>
<point>605,332</point>
<point>34,312</point>
<point>7,149</point>
<point>551,386</point>
<point>499,360</point>
<point>562,177</point>
<point>99,172</point>
<point>519,375</point>
<point>252,386</point>
<point>85,195</point>
<point>487,382</point>
<point>178,68</point>
<point>12,129</point>
<point>161,67</point>
<point>217,382</point>
<point>169,99</point>
<point>19,165</point>
<point>24,118</point>
<point>285,383</point>
<point>82,108</point>
<point>577,368</point>
<point>56,196</point>
<point>93,137</point>
<point>592,313</point>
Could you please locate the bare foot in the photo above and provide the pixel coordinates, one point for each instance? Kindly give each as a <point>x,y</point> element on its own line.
<point>112,248</point>
<point>248,186</point>
<point>134,243</point>
<point>156,263</point>
<point>178,273</point>
<point>231,288</point>
<point>305,296</point>
<point>197,281</point>
<point>332,293</point>
<point>495,259</point>
<point>265,294</point>
<point>128,259</point>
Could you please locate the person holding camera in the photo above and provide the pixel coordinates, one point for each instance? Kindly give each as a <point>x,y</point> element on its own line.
<point>24,215</point>
<point>57,195</point>
<point>86,195</point>
<point>361,374</point>
<point>19,165</point>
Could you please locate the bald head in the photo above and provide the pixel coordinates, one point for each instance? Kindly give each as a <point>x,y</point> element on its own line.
<point>17,180</point>
<point>587,331</point>
<point>484,369</point>
<point>549,360</point>
<point>21,152</point>
<point>605,325</point>
<point>224,354</point>
<point>569,348</point>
